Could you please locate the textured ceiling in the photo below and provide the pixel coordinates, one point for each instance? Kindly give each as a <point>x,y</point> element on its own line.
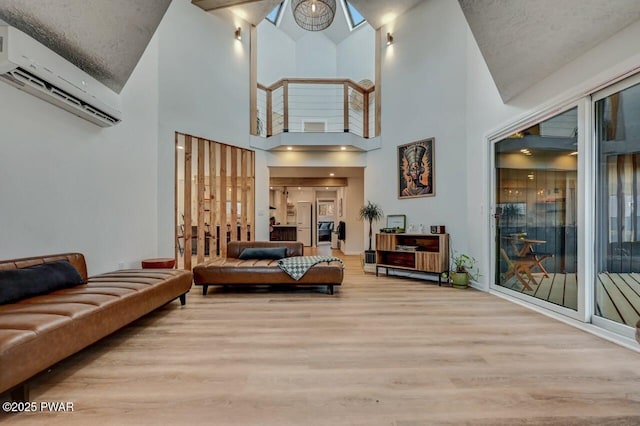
<point>104,38</point>
<point>251,11</point>
<point>524,41</point>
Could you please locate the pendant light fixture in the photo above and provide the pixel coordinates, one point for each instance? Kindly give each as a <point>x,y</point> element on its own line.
<point>314,15</point>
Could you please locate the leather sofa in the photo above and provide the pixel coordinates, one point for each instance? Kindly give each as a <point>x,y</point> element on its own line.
<point>39,331</point>
<point>235,272</point>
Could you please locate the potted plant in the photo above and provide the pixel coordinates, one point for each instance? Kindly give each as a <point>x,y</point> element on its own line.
<point>370,212</point>
<point>464,269</point>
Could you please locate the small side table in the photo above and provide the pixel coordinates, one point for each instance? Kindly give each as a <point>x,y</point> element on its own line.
<point>159,263</point>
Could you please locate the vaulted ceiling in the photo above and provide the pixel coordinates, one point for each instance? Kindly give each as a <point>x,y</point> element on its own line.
<point>522,41</point>
<point>376,12</point>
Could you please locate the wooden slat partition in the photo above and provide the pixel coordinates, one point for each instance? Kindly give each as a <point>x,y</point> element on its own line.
<point>243,194</point>
<point>251,203</point>
<point>200,190</point>
<point>233,221</point>
<point>213,197</point>
<point>187,202</point>
<point>223,200</point>
<point>222,174</point>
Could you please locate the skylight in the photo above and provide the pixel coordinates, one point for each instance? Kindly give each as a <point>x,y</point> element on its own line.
<point>274,14</point>
<point>355,18</point>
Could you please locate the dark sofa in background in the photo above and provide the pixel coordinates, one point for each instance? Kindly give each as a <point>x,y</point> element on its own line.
<point>324,231</point>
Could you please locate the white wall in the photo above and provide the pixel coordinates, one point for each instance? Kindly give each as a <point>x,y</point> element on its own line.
<point>315,56</point>
<point>424,95</point>
<point>68,185</point>
<point>354,227</point>
<point>276,54</point>
<point>356,55</point>
<point>204,91</point>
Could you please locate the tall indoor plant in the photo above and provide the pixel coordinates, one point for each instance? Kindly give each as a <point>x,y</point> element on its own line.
<point>370,212</point>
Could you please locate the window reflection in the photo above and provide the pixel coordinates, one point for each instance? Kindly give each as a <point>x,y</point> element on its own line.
<point>618,181</point>
<point>536,199</point>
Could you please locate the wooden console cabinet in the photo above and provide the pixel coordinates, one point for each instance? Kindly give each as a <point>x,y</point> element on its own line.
<point>428,253</point>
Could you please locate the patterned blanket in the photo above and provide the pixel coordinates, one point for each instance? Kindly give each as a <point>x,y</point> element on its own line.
<point>297,266</point>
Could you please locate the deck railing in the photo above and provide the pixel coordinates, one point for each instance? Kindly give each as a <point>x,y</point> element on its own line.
<point>316,105</point>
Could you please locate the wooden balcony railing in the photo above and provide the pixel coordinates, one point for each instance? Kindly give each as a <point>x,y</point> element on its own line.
<point>316,105</point>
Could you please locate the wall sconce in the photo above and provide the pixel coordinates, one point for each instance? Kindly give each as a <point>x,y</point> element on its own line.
<point>238,34</point>
<point>389,39</point>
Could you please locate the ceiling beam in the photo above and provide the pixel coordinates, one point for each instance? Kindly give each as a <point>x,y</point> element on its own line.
<point>308,182</point>
<point>220,4</point>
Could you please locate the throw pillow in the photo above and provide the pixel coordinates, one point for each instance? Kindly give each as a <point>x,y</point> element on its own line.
<point>19,284</point>
<point>260,253</point>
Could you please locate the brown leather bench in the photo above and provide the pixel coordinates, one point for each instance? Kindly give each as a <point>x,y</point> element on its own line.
<point>234,272</point>
<point>39,331</point>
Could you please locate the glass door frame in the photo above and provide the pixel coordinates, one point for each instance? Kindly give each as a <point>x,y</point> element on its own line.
<point>585,206</point>
<point>615,327</point>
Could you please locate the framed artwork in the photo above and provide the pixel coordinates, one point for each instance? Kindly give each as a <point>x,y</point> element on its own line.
<point>416,169</point>
<point>397,221</point>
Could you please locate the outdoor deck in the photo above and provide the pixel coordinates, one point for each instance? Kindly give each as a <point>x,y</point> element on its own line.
<point>618,294</point>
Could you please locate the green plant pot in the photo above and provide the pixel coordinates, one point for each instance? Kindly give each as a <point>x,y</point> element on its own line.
<point>459,279</point>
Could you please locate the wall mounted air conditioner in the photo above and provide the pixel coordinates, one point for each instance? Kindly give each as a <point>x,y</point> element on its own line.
<point>35,69</point>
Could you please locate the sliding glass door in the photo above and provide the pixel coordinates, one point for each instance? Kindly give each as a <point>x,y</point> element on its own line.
<point>617,280</point>
<point>536,200</point>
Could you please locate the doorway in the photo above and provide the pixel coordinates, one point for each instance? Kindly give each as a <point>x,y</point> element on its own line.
<point>617,222</point>
<point>536,214</point>
<point>336,195</point>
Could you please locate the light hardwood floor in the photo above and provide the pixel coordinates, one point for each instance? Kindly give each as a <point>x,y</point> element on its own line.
<point>382,351</point>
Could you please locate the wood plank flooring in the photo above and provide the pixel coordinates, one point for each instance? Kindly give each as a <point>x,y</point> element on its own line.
<point>382,351</point>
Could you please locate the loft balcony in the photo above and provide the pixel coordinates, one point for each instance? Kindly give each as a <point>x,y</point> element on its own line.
<point>316,114</point>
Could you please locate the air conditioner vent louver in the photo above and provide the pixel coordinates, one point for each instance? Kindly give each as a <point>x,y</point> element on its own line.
<point>26,80</point>
<point>35,69</point>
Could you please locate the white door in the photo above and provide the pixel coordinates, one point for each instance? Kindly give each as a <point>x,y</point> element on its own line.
<point>304,221</point>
